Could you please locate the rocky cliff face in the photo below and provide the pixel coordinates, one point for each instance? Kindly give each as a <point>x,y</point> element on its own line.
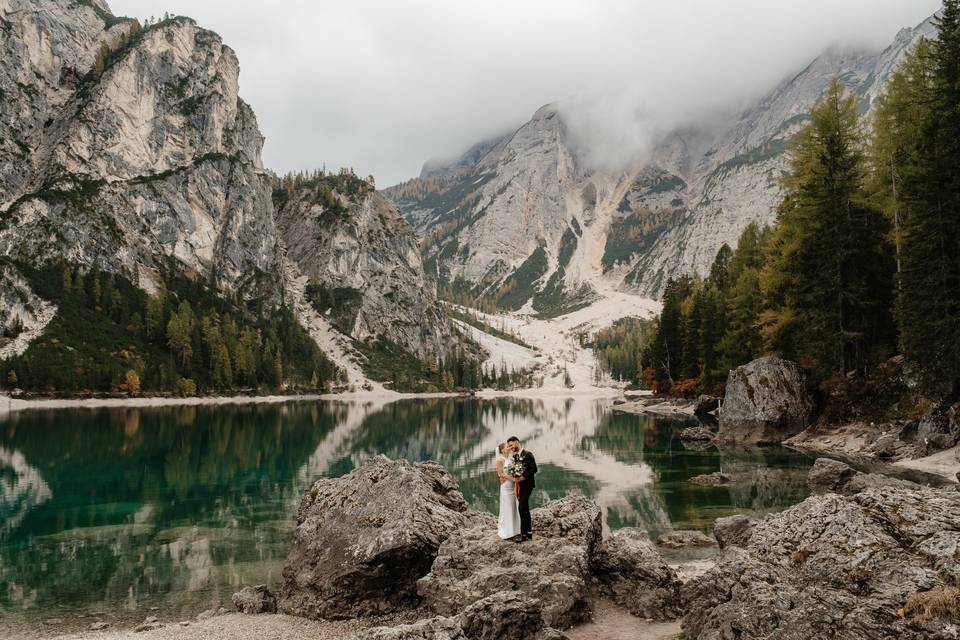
<point>520,216</point>
<point>143,159</point>
<point>129,148</point>
<point>363,263</point>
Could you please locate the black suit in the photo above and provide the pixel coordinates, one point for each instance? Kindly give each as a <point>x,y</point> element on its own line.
<point>526,488</point>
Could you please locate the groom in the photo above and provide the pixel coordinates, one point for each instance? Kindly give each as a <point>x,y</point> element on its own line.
<point>526,484</point>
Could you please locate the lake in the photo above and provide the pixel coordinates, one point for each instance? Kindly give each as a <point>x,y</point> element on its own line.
<point>113,511</point>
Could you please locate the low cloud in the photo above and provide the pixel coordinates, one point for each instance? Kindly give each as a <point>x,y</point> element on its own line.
<point>382,86</point>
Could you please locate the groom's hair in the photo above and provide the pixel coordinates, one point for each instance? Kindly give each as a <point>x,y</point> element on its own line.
<point>513,439</point>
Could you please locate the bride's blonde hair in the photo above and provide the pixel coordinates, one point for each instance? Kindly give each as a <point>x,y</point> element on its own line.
<point>500,447</point>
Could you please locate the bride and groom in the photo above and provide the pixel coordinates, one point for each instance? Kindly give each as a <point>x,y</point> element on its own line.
<point>516,468</point>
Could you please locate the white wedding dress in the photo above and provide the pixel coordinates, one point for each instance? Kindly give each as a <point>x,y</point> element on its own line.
<point>508,525</point>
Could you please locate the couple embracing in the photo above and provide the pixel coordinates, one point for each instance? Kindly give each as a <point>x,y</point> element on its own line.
<point>516,468</point>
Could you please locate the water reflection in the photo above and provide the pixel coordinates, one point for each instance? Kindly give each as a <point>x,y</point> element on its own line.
<point>175,507</point>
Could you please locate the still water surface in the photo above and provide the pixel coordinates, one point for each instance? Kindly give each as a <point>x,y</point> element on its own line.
<point>116,510</point>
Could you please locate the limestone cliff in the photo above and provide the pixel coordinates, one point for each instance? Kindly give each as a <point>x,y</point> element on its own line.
<point>130,148</point>
<point>362,262</point>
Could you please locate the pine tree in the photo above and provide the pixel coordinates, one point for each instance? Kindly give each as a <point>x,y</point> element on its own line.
<point>741,341</point>
<point>826,284</point>
<point>100,60</point>
<point>929,310</point>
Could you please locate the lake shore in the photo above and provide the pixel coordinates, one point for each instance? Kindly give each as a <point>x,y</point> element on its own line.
<point>851,442</point>
<point>9,405</point>
<point>610,622</point>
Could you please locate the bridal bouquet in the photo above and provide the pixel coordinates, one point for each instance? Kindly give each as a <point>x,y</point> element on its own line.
<point>514,469</point>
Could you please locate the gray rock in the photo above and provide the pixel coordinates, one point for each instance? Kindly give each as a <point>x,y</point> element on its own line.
<point>254,600</point>
<point>697,434</point>
<point>148,626</point>
<point>706,404</point>
<point>505,615</point>
<point>733,531</point>
<point>766,402</point>
<point>833,476</point>
<point>685,538</point>
<point>832,567</point>
<point>712,479</point>
<point>938,428</point>
<point>99,626</point>
<point>363,540</point>
<point>635,576</point>
<point>554,567</point>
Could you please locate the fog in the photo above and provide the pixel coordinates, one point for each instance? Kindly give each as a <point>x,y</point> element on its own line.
<point>383,86</point>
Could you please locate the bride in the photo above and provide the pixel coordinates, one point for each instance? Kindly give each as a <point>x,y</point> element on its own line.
<point>508,526</point>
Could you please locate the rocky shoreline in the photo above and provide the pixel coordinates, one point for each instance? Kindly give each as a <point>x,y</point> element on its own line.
<point>865,556</point>
<point>392,551</point>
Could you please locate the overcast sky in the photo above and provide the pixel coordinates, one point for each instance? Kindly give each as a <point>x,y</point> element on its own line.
<point>384,85</point>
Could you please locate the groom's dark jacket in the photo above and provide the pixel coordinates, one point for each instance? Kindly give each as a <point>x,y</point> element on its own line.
<point>529,468</point>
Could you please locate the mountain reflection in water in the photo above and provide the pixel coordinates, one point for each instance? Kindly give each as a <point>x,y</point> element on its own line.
<point>126,509</point>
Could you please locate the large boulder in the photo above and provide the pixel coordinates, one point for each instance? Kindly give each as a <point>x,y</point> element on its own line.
<point>833,476</point>
<point>633,574</point>
<point>364,539</point>
<point>836,567</point>
<point>766,402</point>
<point>506,615</point>
<point>554,567</point>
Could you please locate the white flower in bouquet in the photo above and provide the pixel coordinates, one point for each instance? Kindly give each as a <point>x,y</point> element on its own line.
<point>515,469</point>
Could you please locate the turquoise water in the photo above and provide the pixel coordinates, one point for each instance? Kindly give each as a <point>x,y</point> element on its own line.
<point>126,510</point>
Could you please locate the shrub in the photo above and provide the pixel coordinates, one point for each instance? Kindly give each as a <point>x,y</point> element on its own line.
<point>132,380</point>
<point>186,387</point>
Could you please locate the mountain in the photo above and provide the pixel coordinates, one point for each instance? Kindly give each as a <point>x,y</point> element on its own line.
<point>521,219</point>
<point>362,262</point>
<point>129,148</point>
<point>127,156</point>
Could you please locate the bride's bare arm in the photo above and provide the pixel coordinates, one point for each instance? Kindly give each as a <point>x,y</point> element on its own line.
<point>500,473</point>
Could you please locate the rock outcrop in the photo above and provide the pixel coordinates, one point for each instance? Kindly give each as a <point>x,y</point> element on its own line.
<point>766,402</point>
<point>363,540</point>
<point>140,161</point>
<point>555,568</point>
<point>834,566</point>
<point>505,615</point>
<point>392,535</point>
<point>634,575</point>
<point>833,476</point>
<point>364,264</point>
